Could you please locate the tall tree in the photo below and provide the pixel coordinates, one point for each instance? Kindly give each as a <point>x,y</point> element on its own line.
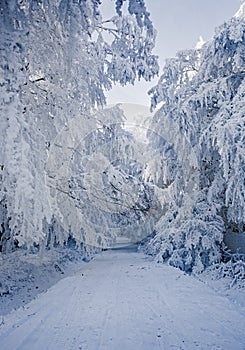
<point>202,96</point>
<point>57,59</point>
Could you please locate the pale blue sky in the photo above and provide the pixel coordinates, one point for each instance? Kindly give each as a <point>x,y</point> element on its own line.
<point>179,24</point>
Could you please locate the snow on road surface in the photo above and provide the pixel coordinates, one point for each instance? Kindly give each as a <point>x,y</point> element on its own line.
<point>123,301</point>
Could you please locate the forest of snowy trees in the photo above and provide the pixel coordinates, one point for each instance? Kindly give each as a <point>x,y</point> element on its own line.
<point>57,59</point>
<point>202,92</point>
<point>72,170</point>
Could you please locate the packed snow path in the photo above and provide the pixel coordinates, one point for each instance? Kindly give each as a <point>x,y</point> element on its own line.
<point>123,301</point>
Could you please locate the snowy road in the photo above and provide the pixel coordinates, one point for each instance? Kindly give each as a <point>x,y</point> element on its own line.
<point>123,301</point>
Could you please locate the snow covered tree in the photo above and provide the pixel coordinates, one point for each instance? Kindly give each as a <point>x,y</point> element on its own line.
<point>106,190</point>
<point>202,97</point>
<point>57,58</point>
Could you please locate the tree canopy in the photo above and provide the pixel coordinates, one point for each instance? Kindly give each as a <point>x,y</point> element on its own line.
<point>57,59</point>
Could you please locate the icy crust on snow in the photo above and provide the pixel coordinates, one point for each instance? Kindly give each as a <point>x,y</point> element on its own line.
<point>24,275</point>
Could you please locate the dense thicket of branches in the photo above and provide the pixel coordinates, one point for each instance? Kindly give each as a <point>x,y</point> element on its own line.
<point>57,59</point>
<point>66,171</point>
<point>202,95</point>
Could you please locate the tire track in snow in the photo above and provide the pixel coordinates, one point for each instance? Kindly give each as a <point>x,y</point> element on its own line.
<point>122,300</point>
<point>200,320</point>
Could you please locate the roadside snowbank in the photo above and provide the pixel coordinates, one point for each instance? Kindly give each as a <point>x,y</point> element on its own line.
<point>24,275</point>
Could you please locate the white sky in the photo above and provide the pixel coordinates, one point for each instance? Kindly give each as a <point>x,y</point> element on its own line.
<point>179,24</point>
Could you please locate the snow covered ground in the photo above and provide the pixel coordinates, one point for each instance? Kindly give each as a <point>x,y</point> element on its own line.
<point>24,275</point>
<point>123,300</point>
